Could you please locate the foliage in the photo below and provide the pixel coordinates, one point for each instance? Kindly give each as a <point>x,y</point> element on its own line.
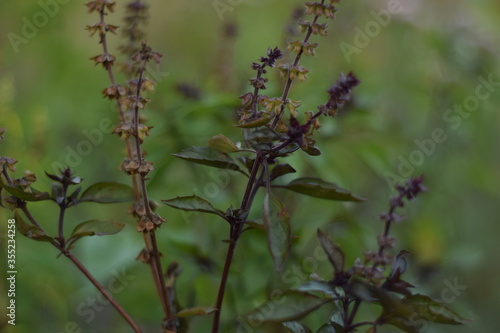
<point>272,130</point>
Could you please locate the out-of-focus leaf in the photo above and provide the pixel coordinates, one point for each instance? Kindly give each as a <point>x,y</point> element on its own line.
<point>296,327</point>
<point>277,222</point>
<point>194,203</point>
<point>292,305</point>
<point>280,170</point>
<point>394,281</point>
<point>96,228</point>
<point>222,144</point>
<point>312,150</point>
<point>333,252</point>
<point>319,188</point>
<point>256,224</point>
<point>400,264</point>
<point>327,328</point>
<point>288,150</point>
<point>246,162</point>
<point>196,311</point>
<point>57,193</point>
<point>208,156</point>
<point>392,305</point>
<point>337,320</point>
<point>73,196</point>
<point>434,311</point>
<point>257,122</point>
<point>18,192</point>
<point>264,135</point>
<point>316,286</point>
<point>30,231</point>
<point>408,326</point>
<point>108,192</point>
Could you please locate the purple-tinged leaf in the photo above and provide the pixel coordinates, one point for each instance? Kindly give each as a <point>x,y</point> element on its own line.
<point>96,228</point>
<point>406,325</point>
<point>434,311</point>
<point>210,157</point>
<point>312,150</point>
<point>333,252</point>
<point>292,305</point>
<point>30,231</point>
<point>280,170</point>
<point>107,192</point>
<point>31,194</point>
<point>317,287</point>
<point>319,188</point>
<point>194,203</point>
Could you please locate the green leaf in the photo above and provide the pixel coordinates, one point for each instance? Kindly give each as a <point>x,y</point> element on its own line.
<point>194,203</point>
<point>196,311</point>
<point>30,231</point>
<point>108,192</point>
<point>280,170</point>
<point>292,305</point>
<point>96,228</point>
<point>287,150</point>
<point>222,144</point>
<point>327,328</point>
<point>256,224</point>
<point>19,192</point>
<point>408,326</point>
<point>316,286</point>
<point>319,188</point>
<point>208,156</point>
<point>257,122</point>
<point>337,320</point>
<point>434,311</point>
<point>392,305</point>
<point>296,327</point>
<point>264,135</point>
<point>333,252</point>
<point>277,222</point>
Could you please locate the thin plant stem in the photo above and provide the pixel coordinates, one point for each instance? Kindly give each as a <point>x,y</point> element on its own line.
<point>62,211</point>
<point>289,81</point>
<point>64,250</point>
<point>235,232</point>
<point>102,290</point>
<point>155,260</point>
<point>109,69</point>
<point>354,310</point>
<point>251,188</point>
<point>140,191</point>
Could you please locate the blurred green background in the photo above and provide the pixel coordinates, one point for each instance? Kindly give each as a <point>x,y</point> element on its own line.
<point>414,67</point>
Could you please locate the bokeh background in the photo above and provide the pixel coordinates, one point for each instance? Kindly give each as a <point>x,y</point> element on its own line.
<point>417,65</point>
